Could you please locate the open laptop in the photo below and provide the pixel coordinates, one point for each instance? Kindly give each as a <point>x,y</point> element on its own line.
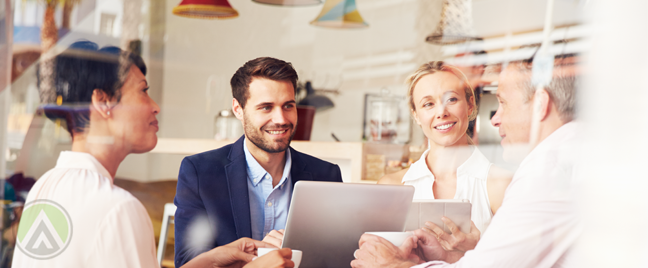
<point>326,219</point>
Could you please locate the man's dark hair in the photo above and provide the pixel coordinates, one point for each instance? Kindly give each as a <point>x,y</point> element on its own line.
<point>264,67</point>
<point>78,71</point>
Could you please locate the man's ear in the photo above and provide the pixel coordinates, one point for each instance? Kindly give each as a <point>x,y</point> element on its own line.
<point>237,109</point>
<point>541,104</point>
<point>101,102</point>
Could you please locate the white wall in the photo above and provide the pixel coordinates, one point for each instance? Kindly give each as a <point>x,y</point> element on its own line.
<point>197,49</point>
<point>356,61</point>
<point>497,17</point>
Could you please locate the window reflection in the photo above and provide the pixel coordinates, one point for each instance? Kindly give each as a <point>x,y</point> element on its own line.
<point>354,107</point>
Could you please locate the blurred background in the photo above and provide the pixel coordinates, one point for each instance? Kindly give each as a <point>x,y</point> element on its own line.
<point>352,57</point>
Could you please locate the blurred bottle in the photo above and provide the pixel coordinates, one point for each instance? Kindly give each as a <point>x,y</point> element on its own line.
<point>382,118</point>
<point>226,126</point>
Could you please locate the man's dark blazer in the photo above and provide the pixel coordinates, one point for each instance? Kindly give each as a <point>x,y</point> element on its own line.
<point>214,184</point>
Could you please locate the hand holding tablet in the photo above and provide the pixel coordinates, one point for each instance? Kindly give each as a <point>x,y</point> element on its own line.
<point>456,240</point>
<point>432,210</point>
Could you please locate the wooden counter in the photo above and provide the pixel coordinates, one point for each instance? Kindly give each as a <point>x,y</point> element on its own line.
<point>350,151</point>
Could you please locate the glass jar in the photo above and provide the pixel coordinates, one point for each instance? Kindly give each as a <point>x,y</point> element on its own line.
<point>227,126</point>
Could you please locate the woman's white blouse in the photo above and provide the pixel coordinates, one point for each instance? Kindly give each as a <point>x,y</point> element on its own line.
<point>110,227</point>
<point>472,178</point>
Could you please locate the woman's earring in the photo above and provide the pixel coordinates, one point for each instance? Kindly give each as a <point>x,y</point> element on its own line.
<point>108,112</point>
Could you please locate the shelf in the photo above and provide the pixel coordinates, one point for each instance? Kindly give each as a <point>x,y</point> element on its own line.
<point>350,151</point>
<point>351,156</point>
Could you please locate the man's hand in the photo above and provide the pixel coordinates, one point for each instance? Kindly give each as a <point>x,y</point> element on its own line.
<point>274,259</point>
<point>429,248</point>
<point>457,240</point>
<point>274,238</point>
<point>232,255</point>
<point>377,252</point>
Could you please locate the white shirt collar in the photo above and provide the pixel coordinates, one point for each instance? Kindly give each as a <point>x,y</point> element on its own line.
<point>79,160</point>
<point>419,169</point>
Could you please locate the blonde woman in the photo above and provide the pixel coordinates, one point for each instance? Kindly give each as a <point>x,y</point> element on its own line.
<point>442,103</point>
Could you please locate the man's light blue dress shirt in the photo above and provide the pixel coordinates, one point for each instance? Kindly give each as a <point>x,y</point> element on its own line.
<point>268,205</point>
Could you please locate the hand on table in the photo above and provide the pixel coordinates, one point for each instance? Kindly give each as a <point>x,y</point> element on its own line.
<point>274,259</point>
<point>377,252</point>
<point>274,237</point>
<point>457,240</point>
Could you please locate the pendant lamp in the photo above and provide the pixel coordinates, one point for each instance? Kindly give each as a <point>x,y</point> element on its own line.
<point>289,2</point>
<point>205,9</point>
<point>456,25</point>
<point>321,103</point>
<point>340,14</point>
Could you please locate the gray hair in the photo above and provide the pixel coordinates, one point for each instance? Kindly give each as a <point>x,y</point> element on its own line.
<point>562,89</point>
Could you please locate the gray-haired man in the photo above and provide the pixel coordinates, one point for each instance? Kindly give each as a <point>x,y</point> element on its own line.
<point>537,223</point>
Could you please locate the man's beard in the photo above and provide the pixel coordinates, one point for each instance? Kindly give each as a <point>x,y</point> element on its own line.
<point>255,135</point>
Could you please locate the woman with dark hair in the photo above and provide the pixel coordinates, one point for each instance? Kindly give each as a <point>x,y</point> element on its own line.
<point>75,216</point>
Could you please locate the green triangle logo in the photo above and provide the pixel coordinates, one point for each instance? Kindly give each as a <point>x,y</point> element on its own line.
<point>45,229</point>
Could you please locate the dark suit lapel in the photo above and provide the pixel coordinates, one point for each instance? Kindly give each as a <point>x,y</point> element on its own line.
<point>298,170</point>
<point>236,173</point>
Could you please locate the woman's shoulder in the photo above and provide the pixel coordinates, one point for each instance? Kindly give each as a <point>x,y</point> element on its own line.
<point>393,178</point>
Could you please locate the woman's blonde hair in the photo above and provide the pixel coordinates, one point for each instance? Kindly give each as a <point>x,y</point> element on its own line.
<point>440,66</point>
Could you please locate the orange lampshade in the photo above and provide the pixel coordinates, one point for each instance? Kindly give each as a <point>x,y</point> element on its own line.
<point>205,9</point>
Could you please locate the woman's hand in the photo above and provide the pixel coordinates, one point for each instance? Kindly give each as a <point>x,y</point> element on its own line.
<point>232,255</point>
<point>236,254</point>
<point>275,237</point>
<point>457,240</point>
<point>274,259</point>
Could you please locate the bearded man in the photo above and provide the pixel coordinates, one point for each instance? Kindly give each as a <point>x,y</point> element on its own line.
<point>244,189</point>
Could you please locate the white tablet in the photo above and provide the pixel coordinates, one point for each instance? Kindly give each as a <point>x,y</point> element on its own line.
<point>326,219</point>
<point>422,210</point>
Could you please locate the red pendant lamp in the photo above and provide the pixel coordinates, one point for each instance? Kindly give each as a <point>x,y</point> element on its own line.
<point>205,9</point>
<point>289,2</point>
